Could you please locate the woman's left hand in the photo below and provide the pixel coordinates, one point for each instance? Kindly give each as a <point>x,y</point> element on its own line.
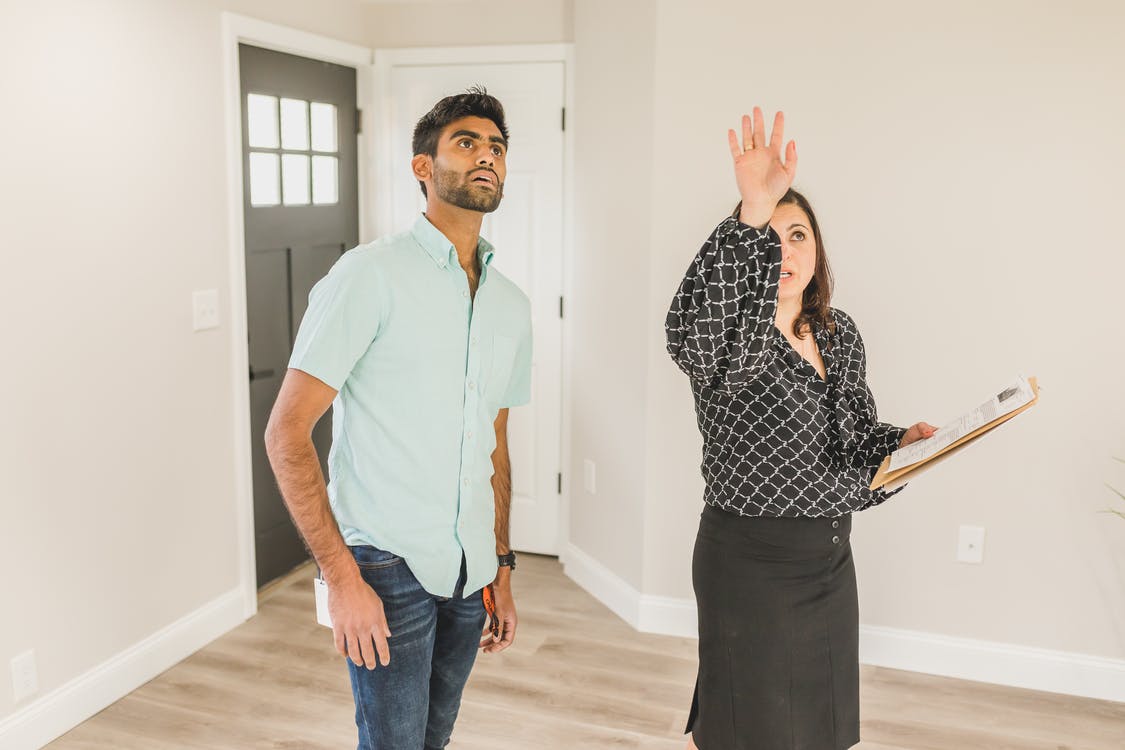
<point>916,432</point>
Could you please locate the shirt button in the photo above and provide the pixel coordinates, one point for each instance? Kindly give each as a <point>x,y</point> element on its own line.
<point>835,540</point>
<point>465,481</point>
<point>835,524</point>
<point>465,293</point>
<point>472,385</point>
<point>476,340</point>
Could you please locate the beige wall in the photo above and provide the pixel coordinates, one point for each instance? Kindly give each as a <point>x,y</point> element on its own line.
<point>118,509</point>
<point>457,23</point>
<point>966,167</point>
<point>611,267</point>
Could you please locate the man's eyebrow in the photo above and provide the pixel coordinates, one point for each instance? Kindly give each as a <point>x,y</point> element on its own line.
<point>478,136</point>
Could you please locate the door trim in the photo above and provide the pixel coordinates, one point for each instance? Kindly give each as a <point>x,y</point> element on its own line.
<point>384,60</point>
<point>242,29</point>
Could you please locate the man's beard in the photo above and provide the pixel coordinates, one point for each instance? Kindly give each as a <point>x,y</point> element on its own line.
<point>452,189</point>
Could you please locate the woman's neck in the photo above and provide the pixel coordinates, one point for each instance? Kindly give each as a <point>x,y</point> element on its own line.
<point>787,312</point>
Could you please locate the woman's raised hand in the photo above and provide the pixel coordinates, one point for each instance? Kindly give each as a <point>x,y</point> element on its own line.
<point>761,174</point>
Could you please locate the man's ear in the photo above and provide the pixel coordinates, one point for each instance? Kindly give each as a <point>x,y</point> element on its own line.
<point>423,166</point>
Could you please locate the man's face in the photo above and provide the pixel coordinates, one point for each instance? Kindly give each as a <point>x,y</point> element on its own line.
<point>469,168</point>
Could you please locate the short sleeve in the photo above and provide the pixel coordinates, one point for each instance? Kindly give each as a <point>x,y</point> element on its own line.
<point>343,318</point>
<point>518,391</point>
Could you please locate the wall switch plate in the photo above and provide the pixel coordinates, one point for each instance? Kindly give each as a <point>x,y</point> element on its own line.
<point>970,544</point>
<point>590,477</point>
<point>205,309</point>
<point>25,676</point>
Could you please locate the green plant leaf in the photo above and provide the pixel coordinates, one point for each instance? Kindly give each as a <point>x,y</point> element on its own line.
<point>1116,491</point>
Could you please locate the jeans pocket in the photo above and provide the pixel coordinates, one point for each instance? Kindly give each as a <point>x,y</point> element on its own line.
<point>373,558</point>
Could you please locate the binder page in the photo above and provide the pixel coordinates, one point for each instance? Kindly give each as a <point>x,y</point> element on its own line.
<point>1006,401</point>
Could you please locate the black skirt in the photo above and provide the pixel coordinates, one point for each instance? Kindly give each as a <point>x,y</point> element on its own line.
<point>778,634</point>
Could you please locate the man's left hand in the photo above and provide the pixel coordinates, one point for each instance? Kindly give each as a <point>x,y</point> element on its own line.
<point>505,612</point>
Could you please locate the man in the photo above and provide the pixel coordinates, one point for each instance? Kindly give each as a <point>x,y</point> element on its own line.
<point>421,348</point>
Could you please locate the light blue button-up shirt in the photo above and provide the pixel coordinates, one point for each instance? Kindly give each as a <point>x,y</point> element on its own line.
<point>421,370</point>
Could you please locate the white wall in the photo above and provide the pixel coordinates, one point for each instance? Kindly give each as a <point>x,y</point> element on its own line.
<point>608,308</point>
<point>457,23</point>
<point>965,162</point>
<point>118,509</point>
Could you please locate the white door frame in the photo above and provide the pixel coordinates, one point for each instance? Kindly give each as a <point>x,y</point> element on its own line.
<point>237,29</point>
<point>386,161</point>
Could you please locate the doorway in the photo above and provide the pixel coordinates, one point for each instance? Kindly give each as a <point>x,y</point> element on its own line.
<point>301,213</point>
<point>527,232</point>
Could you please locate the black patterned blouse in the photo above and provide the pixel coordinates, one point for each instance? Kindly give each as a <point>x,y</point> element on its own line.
<point>777,440</point>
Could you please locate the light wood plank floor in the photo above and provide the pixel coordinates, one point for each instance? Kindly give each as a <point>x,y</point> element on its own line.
<point>577,677</point>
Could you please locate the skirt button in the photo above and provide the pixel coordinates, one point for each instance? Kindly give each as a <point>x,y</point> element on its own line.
<point>835,524</point>
<point>835,540</point>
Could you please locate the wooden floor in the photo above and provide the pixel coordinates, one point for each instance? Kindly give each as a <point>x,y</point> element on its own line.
<point>577,677</point>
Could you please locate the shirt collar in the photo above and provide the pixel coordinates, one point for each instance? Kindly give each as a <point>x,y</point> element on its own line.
<point>438,246</point>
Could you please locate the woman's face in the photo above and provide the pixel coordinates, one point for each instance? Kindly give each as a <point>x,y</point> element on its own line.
<point>798,250</point>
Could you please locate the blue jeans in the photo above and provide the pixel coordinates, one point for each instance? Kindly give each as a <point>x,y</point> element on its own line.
<point>412,703</point>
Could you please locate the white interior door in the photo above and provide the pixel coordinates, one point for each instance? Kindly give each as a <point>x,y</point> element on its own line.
<point>527,231</point>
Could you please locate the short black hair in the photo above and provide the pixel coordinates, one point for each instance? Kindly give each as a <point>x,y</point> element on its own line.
<point>475,102</point>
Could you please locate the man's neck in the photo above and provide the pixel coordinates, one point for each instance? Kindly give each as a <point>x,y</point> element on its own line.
<point>461,227</point>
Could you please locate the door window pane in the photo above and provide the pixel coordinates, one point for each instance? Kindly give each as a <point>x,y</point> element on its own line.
<point>295,179</point>
<point>324,178</point>
<point>323,128</point>
<point>261,120</point>
<point>295,124</point>
<point>264,184</point>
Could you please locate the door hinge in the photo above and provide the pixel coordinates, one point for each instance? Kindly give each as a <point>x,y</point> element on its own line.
<point>560,482</point>
<point>358,121</point>
<point>564,118</point>
<point>560,307</point>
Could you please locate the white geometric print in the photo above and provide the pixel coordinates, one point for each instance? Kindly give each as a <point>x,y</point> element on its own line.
<point>777,440</point>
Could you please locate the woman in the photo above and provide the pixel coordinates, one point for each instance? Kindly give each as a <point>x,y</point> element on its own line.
<point>791,442</point>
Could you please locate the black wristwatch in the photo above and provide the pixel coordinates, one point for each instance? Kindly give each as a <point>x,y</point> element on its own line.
<point>506,561</point>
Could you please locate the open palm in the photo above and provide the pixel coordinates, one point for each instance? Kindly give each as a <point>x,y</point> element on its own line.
<point>762,174</point>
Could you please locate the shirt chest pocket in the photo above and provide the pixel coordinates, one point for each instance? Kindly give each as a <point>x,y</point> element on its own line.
<point>498,371</point>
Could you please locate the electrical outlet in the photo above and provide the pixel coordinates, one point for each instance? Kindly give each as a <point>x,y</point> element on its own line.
<point>970,544</point>
<point>205,309</point>
<point>590,477</point>
<point>25,676</point>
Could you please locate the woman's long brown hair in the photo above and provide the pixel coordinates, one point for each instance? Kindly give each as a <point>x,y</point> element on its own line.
<point>816,301</point>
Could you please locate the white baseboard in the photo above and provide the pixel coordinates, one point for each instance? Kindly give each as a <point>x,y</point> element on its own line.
<point>980,661</point>
<point>668,615</point>
<point>649,614</point>
<point>59,711</point>
<point>999,663</point>
<point>602,583</point>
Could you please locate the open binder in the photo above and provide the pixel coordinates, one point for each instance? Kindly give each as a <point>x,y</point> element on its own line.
<point>897,469</point>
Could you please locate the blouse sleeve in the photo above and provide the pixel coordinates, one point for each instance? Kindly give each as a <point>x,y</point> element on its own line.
<point>869,441</point>
<point>722,317</point>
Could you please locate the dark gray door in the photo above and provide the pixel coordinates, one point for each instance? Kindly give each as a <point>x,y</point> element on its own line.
<point>301,214</point>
